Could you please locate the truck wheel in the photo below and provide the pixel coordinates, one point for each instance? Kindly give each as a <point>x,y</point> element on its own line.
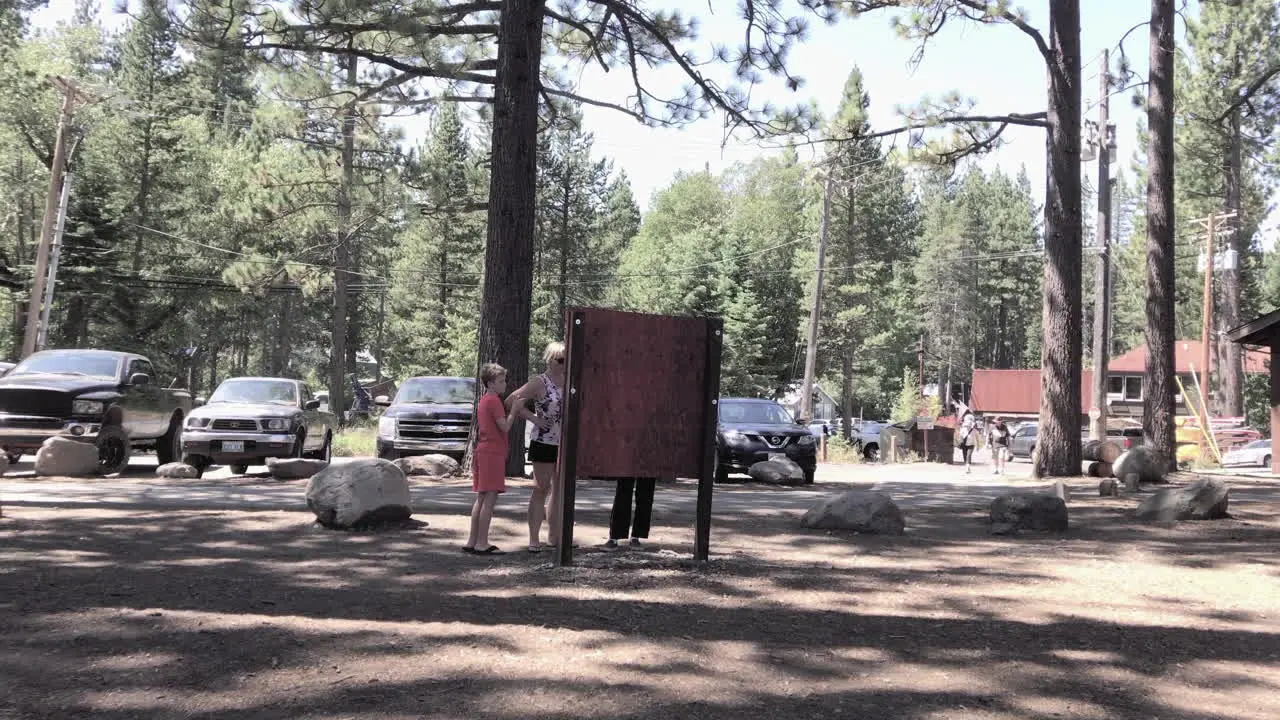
<point>169,446</point>
<point>239,469</point>
<point>13,458</point>
<point>389,454</point>
<point>722,472</point>
<point>199,462</point>
<point>871,452</point>
<point>809,475</point>
<point>113,450</point>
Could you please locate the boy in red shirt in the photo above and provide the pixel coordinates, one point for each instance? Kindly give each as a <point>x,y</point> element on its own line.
<point>489,463</point>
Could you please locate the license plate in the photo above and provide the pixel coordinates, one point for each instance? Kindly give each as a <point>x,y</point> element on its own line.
<point>233,446</point>
<point>777,456</point>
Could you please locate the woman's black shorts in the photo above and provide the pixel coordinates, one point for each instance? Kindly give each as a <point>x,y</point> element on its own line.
<point>543,453</point>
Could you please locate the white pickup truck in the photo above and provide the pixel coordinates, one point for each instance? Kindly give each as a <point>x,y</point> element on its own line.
<point>866,434</point>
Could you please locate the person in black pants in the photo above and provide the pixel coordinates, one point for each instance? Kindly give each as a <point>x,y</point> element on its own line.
<point>620,524</point>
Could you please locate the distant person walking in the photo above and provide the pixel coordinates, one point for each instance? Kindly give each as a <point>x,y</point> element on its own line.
<point>489,461</point>
<point>967,438</point>
<point>998,437</point>
<point>547,393</point>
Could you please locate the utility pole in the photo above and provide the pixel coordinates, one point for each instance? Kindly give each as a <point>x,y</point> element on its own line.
<point>43,333</point>
<point>1212,226</point>
<point>815,316</point>
<point>57,169</point>
<point>920,357</point>
<point>1102,293</point>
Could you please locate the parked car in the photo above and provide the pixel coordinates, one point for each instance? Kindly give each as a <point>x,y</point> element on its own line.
<point>102,397</point>
<point>1022,442</point>
<point>867,437</point>
<point>428,415</point>
<point>248,420</point>
<point>1254,454</point>
<point>753,431</point>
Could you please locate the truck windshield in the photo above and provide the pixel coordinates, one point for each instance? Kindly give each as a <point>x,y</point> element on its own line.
<point>57,363</point>
<point>437,391</point>
<point>269,392</point>
<point>754,413</point>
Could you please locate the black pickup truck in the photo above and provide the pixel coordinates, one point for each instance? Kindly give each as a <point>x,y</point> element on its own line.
<point>103,397</point>
<point>428,415</point>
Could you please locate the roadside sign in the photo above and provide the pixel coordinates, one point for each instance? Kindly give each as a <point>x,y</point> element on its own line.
<point>924,423</point>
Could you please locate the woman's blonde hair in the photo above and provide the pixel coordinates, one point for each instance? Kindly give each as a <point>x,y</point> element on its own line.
<point>554,350</point>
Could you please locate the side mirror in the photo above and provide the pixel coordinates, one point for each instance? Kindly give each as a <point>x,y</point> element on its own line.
<point>311,405</point>
<point>198,402</point>
<point>140,379</point>
<point>382,400</point>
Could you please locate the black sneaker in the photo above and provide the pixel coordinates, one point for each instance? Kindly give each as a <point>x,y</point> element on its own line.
<point>635,542</point>
<point>611,544</point>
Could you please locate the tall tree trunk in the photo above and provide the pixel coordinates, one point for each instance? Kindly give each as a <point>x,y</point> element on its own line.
<point>1157,404</point>
<point>564,244</point>
<point>1229,362</point>
<point>1058,449</point>
<point>342,250</point>
<point>508,258</point>
<point>846,394</point>
<point>442,315</point>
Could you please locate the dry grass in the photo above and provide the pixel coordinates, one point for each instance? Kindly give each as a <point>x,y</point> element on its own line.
<point>133,614</point>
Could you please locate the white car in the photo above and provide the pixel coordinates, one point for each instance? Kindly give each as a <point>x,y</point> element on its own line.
<point>1256,453</point>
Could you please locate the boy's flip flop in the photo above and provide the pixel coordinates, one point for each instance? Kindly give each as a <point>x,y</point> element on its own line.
<point>491,550</point>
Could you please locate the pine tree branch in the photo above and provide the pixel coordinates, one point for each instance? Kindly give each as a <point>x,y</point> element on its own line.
<point>593,38</point>
<point>1012,18</point>
<point>466,72</point>
<point>1246,95</point>
<point>601,104</point>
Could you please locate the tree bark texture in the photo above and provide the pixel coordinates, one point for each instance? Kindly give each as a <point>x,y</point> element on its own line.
<point>846,394</point>
<point>1157,403</point>
<point>508,258</point>
<point>1059,443</point>
<point>342,252</point>
<point>1229,360</point>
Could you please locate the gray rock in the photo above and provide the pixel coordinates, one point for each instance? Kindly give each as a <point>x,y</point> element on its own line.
<point>858,510</point>
<point>1140,461</point>
<point>781,472</point>
<point>1204,499</point>
<point>64,457</point>
<point>177,471</point>
<point>432,465</point>
<point>1037,512</point>
<point>1109,487</point>
<point>359,493</point>
<point>294,468</point>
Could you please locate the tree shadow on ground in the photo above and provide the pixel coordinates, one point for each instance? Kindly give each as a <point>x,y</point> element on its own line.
<point>222,614</point>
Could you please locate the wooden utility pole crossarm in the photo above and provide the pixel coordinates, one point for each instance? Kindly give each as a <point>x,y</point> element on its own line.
<point>57,170</point>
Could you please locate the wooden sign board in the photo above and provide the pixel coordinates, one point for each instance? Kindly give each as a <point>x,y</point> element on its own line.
<point>641,401</point>
<point>924,423</point>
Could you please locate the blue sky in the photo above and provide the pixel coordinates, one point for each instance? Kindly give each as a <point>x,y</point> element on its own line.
<point>996,65</point>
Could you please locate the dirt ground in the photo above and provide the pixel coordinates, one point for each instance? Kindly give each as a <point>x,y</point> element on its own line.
<point>243,614</point>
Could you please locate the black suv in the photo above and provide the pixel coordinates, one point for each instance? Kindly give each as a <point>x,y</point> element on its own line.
<point>753,431</point>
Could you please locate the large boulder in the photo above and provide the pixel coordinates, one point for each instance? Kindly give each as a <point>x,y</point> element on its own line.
<point>60,456</point>
<point>360,493</point>
<point>1028,511</point>
<point>779,472</point>
<point>294,468</point>
<point>1204,499</point>
<point>177,471</point>
<point>430,465</point>
<point>1147,464</point>
<point>858,510</point>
